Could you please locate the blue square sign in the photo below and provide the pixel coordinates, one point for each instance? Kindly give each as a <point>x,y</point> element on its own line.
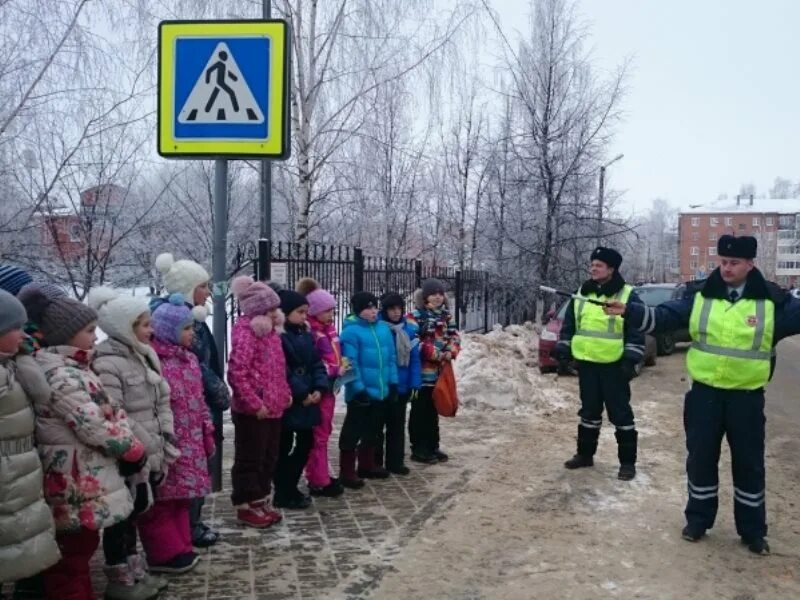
<point>221,88</point>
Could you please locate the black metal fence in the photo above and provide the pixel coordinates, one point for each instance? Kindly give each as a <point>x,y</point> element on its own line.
<point>477,298</point>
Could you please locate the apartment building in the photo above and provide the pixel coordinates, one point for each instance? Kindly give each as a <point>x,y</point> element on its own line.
<point>775,223</point>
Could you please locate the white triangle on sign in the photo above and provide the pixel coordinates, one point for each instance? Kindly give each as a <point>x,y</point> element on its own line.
<point>221,95</point>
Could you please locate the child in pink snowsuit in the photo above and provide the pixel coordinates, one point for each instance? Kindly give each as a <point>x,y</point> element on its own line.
<point>261,394</point>
<point>164,529</point>
<point>321,307</point>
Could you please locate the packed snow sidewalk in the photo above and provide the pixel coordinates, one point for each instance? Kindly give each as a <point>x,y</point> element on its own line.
<point>343,547</point>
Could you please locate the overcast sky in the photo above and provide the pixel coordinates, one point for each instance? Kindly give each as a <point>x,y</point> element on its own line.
<point>714,93</point>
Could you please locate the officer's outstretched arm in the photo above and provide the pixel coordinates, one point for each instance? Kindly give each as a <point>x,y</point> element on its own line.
<point>787,321</point>
<point>668,316</point>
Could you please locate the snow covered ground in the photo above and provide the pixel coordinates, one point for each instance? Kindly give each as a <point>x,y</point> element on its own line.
<point>498,370</point>
<point>524,527</point>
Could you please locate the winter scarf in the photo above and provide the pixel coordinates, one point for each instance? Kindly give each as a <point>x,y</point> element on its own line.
<point>402,343</point>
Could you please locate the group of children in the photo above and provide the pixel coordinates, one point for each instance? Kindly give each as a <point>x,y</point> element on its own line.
<point>117,437</point>
<point>287,363</point>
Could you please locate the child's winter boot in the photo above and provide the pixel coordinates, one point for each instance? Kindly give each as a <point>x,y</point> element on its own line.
<point>123,586</point>
<point>366,464</point>
<point>252,515</point>
<point>348,477</point>
<point>333,490</point>
<point>138,567</point>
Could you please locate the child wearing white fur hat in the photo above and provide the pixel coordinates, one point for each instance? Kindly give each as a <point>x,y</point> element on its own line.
<point>131,374</point>
<point>190,279</point>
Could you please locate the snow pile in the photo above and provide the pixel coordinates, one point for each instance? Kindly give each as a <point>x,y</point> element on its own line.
<point>499,370</point>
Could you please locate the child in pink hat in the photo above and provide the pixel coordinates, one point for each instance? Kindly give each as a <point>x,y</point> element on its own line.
<point>321,308</point>
<point>261,394</point>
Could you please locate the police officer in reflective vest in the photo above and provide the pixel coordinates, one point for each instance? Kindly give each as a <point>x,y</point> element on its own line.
<point>735,319</point>
<point>607,351</point>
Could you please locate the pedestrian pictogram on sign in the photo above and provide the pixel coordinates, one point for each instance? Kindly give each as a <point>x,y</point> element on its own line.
<point>223,89</point>
<point>221,94</point>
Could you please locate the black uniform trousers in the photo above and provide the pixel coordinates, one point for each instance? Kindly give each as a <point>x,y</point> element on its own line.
<point>708,414</point>
<point>605,385</point>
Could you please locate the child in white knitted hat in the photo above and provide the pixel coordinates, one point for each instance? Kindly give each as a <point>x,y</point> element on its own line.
<point>131,374</point>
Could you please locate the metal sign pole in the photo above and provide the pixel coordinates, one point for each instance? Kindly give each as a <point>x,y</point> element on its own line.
<point>266,186</point>
<point>219,294</point>
<point>219,256</point>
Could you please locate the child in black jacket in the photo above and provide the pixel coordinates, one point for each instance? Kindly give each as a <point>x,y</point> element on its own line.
<point>308,379</point>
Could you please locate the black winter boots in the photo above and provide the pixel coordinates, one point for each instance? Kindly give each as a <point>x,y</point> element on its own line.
<point>627,440</point>
<point>587,446</point>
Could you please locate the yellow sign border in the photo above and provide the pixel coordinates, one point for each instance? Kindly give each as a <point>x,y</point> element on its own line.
<point>277,144</point>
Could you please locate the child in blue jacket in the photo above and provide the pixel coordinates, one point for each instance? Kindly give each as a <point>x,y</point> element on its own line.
<point>409,376</point>
<point>368,345</point>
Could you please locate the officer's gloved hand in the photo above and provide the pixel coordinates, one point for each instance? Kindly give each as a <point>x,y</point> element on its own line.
<point>628,369</point>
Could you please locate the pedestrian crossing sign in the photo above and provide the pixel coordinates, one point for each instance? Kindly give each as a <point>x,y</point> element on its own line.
<point>223,89</point>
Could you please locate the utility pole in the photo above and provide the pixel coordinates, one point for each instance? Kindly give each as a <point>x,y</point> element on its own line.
<point>601,195</point>
<point>265,229</point>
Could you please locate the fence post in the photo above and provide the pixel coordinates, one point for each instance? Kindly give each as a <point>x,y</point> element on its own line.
<point>485,302</point>
<point>417,274</point>
<point>358,270</point>
<point>459,299</point>
<point>264,259</point>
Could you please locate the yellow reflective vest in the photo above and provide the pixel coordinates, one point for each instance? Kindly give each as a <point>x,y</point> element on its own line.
<point>598,337</point>
<point>731,343</point>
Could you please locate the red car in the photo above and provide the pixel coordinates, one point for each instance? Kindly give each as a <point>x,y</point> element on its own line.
<point>552,329</point>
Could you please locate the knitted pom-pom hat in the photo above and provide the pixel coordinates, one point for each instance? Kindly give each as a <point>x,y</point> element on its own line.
<point>171,318</point>
<point>181,276</point>
<point>319,300</point>
<point>255,297</point>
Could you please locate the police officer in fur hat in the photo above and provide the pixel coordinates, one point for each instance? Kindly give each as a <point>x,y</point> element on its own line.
<point>735,319</point>
<point>607,351</point>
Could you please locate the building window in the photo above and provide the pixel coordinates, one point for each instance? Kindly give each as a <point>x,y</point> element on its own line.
<point>770,222</point>
<point>713,221</point>
<point>695,221</point>
<point>711,265</point>
<point>786,221</point>
<point>693,265</point>
<point>741,226</point>
<point>74,232</point>
<point>755,221</point>
<point>728,221</point>
<point>712,250</point>
<point>695,251</point>
<point>695,236</point>
<point>712,236</point>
